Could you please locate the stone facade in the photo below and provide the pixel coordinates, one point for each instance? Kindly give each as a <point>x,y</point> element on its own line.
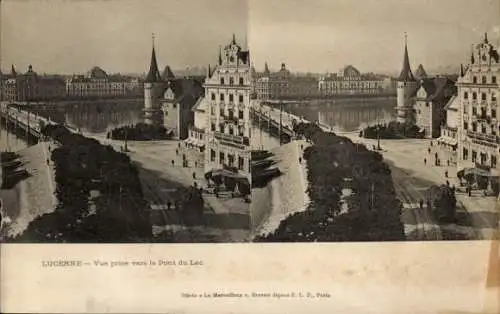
<point>478,90</point>
<point>227,92</point>
<point>350,81</point>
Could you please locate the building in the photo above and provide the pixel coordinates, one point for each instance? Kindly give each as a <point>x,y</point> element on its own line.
<point>32,87</point>
<point>431,96</point>
<point>349,80</point>
<point>478,91</point>
<point>98,84</point>
<point>179,98</point>
<point>169,100</point>
<point>284,85</point>
<point>406,85</point>
<point>449,130</point>
<point>227,92</point>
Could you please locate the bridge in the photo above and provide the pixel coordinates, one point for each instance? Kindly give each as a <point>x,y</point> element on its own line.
<point>27,121</point>
<point>267,115</point>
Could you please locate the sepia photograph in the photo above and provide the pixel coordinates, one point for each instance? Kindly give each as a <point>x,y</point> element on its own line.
<point>249,121</point>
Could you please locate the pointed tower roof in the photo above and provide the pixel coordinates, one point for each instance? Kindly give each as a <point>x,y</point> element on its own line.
<point>420,73</point>
<point>266,69</point>
<point>220,55</point>
<point>209,71</point>
<point>154,73</point>
<point>234,39</point>
<point>485,37</point>
<point>167,74</point>
<point>13,71</point>
<point>472,55</point>
<point>406,74</point>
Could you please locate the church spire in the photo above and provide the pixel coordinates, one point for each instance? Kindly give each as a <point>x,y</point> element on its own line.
<point>13,71</point>
<point>154,73</point>
<point>406,74</point>
<point>266,69</point>
<point>209,71</point>
<point>462,70</point>
<point>234,39</point>
<point>485,37</point>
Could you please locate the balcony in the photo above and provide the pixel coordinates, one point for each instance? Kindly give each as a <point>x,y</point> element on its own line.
<point>241,140</point>
<point>489,138</point>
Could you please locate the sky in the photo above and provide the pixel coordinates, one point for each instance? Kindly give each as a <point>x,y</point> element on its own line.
<point>71,36</point>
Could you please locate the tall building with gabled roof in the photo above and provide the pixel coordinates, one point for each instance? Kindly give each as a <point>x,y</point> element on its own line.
<point>405,86</point>
<point>479,128</point>
<point>227,92</point>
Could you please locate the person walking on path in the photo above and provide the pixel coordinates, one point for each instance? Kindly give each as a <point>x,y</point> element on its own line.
<point>194,175</point>
<point>421,203</point>
<point>446,174</point>
<point>429,150</point>
<point>173,162</point>
<point>425,161</point>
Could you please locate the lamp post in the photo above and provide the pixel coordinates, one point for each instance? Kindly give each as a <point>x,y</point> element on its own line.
<point>281,121</point>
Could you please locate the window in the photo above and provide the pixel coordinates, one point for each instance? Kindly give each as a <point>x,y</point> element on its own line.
<point>493,161</point>
<point>483,129</point>
<point>231,81</point>
<point>474,80</point>
<point>231,114</point>
<point>493,97</point>
<point>494,113</point>
<point>241,163</point>
<point>212,127</point>
<point>231,131</point>
<point>474,95</point>
<point>483,112</point>
<point>221,127</point>
<point>221,97</point>
<point>483,96</point>
<point>483,80</point>
<point>465,154</point>
<point>213,96</point>
<point>240,114</point>
<point>474,156</point>
<point>494,79</point>
<point>241,81</point>
<point>221,112</point>
<point>483,158</point>
<point>212,155</point>
<point>231,97</point>
<point>474,111</point>
<point>221,158</point>
<point>427,104</point>
<point>240,98</point>
<point>474,127</point>
<point>174,106</point>
<point>221,81</point>
<point>466,95</point>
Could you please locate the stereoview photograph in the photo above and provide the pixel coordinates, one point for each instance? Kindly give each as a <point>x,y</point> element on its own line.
<point>249,121</point>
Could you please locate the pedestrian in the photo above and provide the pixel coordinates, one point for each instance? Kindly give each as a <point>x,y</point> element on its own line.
<point>436,155</point>
<point>447,183</point>
<point>173,162</point>
<point>431,143</point>
<point>446,174</point>
<point>421,203</point>
<point>448,162</point>
<point>469,191</point>
<point>177,152</point>
<point>425,161</point>
<point>429,150</point>
<point>216,191</point>
<point>169,205</point>
<point>47,161</point>
<point>300,160</point>
<point>194,175</point>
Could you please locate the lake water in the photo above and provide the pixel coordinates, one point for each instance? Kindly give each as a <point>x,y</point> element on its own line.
<point>346,115</point>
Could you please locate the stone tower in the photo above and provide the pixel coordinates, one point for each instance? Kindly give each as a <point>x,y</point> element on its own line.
<point>153,86</point>
<point>406,85</point>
